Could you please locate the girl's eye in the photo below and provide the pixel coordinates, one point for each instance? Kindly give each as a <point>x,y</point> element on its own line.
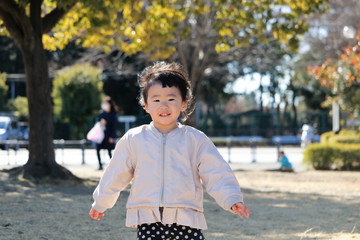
<point>171,99</point>
<point>156,100</point>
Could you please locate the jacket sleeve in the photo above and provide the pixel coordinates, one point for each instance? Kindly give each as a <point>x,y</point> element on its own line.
<point>116,177</point>
<point>217,176</point>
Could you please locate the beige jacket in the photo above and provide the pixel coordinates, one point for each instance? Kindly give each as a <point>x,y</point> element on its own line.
<point>166,171</point>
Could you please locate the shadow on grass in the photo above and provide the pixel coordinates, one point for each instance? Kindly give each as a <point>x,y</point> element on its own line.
<point>49,211</point>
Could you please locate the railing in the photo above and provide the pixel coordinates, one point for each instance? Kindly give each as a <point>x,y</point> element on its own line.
<point>58,143</point>
<point>62,144</point>
<point>249,139</point>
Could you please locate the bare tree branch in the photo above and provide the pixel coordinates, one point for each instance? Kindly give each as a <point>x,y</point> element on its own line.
<point>180,51</point>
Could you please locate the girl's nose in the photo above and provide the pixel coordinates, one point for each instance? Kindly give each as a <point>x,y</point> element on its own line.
<point>164,105</point>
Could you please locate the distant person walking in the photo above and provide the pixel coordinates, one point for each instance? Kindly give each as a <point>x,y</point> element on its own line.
<point>108,119</point>
<point>307,135</point>
<point>285,164</point>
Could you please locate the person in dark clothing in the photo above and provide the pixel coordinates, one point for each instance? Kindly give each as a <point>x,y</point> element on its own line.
<point>107,119</point>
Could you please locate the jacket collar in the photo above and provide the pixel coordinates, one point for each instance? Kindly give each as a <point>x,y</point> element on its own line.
<point>173,132</point>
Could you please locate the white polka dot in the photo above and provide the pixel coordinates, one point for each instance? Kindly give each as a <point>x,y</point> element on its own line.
<point>183,228</point>
<point>169,225</point>
<point>147,232</point>
<point>200,237</point>
<point>140,233</point>
<point>167,232</point>
<point>161,229</point>
<point>195,234</point>
<point>153,228</point>
<point>143,236</point>
<point>177,237</point>
<point>143,228</point>
<point>175,229</point>
<point>162,236</point>
<point>157,233</point>
<point>181,233</point>
<point>149,238</point>
<point>189,231</point>
<point>186,236</point>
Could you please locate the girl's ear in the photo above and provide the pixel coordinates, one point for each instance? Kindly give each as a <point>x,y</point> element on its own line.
<point>146,107</point>
<point>184,105</point>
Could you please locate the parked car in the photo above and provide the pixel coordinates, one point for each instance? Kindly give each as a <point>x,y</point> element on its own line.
<point>9,130</point>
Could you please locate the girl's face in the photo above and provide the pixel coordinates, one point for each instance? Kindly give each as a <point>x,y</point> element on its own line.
<point>164,106</point>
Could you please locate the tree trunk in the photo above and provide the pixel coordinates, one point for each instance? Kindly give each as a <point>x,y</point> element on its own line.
<point>294,122</point>
<point>41,163</point>
<point>261,88</point>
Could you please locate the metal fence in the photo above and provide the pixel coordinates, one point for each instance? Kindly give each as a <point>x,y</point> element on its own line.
<point>82,144</point>
<point>58,144</point>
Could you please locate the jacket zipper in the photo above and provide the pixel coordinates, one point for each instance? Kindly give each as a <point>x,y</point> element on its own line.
<point>162,170</point>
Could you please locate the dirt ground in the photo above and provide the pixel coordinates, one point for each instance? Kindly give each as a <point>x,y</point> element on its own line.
<point>306,205</point>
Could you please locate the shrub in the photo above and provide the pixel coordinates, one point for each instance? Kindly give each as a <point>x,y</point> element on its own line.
<point>77,97</point>
<point>343,139</point>
<point>3,92</point>
<point>20,108</point>
<point>349,157</point>
<point>333,156</point>
<point>324,138</point>
<point>344,136</point>
<point>319,156</point>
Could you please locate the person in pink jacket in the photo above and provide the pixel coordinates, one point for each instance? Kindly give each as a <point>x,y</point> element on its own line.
<point>168,164</point>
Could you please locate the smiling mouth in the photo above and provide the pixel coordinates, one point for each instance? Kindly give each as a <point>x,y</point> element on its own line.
<point>164,114</point>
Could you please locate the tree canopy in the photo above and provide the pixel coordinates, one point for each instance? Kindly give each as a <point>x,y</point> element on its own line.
<point>329,33</point>
<point>341,76</point>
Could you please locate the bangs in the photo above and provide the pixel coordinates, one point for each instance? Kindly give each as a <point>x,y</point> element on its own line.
<point>168,79</point>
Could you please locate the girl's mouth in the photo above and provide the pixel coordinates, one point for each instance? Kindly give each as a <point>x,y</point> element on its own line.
<point>164,114</point>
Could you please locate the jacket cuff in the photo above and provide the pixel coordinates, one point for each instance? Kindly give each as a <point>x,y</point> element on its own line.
<point>231,201</point>
<point>98,208</point>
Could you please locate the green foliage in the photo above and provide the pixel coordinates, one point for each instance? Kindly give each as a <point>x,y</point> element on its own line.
<point>20,108</point>
<point>341,151</point>
<point>151,26</point>
<point>77,97</point>
<point>3,91</point>
<point>344,136</point>
<point>319,156</point>
<point>324,138</point>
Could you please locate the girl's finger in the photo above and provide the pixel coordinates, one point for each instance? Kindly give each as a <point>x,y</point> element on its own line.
<point>239,213</point>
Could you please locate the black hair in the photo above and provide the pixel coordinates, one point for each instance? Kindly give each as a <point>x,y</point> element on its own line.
<point>169,75</point>
<point>112,103</point>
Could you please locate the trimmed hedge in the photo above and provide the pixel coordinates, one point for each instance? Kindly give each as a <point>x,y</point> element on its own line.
<point>333,156</point>
<point>345,136</point>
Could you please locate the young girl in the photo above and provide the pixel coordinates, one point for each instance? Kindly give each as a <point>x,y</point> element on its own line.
<point>167,162</point>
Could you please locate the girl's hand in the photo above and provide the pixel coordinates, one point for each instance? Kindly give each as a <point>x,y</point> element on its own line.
<point>240,209</point>
<point>95,214</point>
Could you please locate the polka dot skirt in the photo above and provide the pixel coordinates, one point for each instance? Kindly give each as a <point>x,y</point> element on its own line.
<point>159,231</point>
